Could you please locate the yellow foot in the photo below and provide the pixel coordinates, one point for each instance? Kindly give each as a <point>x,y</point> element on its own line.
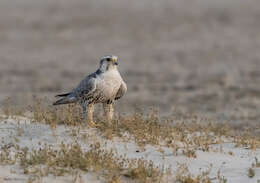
<point>93,124</point>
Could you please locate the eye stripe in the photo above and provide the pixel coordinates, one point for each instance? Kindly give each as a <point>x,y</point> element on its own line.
<point>108,58</point>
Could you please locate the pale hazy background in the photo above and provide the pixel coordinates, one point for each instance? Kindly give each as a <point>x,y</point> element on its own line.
<point>199,56</point>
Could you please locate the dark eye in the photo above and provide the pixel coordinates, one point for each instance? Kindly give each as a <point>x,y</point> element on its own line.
<point>108,59</point>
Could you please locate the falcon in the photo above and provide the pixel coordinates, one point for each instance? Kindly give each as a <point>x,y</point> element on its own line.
<point>103,86</point>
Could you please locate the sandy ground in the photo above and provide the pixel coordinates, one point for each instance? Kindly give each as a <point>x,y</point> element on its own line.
<point>198,57</point>
<point>233,167</point>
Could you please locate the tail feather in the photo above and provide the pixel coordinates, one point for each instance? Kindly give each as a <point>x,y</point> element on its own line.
<point>65,100</point>
<point>63,95</point>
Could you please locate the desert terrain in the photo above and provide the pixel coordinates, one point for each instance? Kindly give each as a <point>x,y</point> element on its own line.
<point>193,61</point>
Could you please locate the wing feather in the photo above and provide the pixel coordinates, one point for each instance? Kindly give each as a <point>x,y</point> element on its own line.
<point>122,90</point>
<point>86,87</point>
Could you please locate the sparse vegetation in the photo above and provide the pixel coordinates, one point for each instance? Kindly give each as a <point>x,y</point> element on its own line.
<point>185,135</point>
<point>200,63</point>
<point>251,172</point>
<point>193,132</point>
<point>221,178</point>
<point>5,157</point>
<point>184,176</point>
<point>257,163</point>
<point>189,133</point>
<point>67,158</point>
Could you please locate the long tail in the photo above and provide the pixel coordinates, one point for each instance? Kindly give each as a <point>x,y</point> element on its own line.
<point>66,100</point>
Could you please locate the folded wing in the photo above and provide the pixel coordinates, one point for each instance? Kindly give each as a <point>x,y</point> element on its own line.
<point>122,90</point>
<point>85,89</point>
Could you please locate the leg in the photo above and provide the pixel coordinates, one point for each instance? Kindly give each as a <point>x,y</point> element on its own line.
<point>90,115</point>
<point>109,111</point>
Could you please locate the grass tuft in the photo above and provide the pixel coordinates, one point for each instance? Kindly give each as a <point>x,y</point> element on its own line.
<point>70,157</point>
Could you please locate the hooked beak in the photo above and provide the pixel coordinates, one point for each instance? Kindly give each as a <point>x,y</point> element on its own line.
<point>115,60</point>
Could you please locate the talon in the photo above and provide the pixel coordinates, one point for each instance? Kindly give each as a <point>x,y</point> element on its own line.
<point>93,124</point>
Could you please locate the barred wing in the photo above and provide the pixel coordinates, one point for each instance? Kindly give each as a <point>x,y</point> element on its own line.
<point>86,87</point>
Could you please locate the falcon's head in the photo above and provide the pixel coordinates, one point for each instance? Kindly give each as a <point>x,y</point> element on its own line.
<point>108,62</point>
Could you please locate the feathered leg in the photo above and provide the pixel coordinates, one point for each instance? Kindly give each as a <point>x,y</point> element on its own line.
<point>109,111</point>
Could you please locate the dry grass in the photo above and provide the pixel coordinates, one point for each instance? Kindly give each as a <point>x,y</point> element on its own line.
<point>208,64</point>
<point>181,131</point>
<point>68,158</point>
<point>257,163</point>
<point>185,134</point>
<point>251,172</point>
<point>6,157</point>
<point>184,176</point>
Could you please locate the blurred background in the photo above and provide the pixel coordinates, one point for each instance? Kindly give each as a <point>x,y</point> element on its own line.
<point>196,56</point>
